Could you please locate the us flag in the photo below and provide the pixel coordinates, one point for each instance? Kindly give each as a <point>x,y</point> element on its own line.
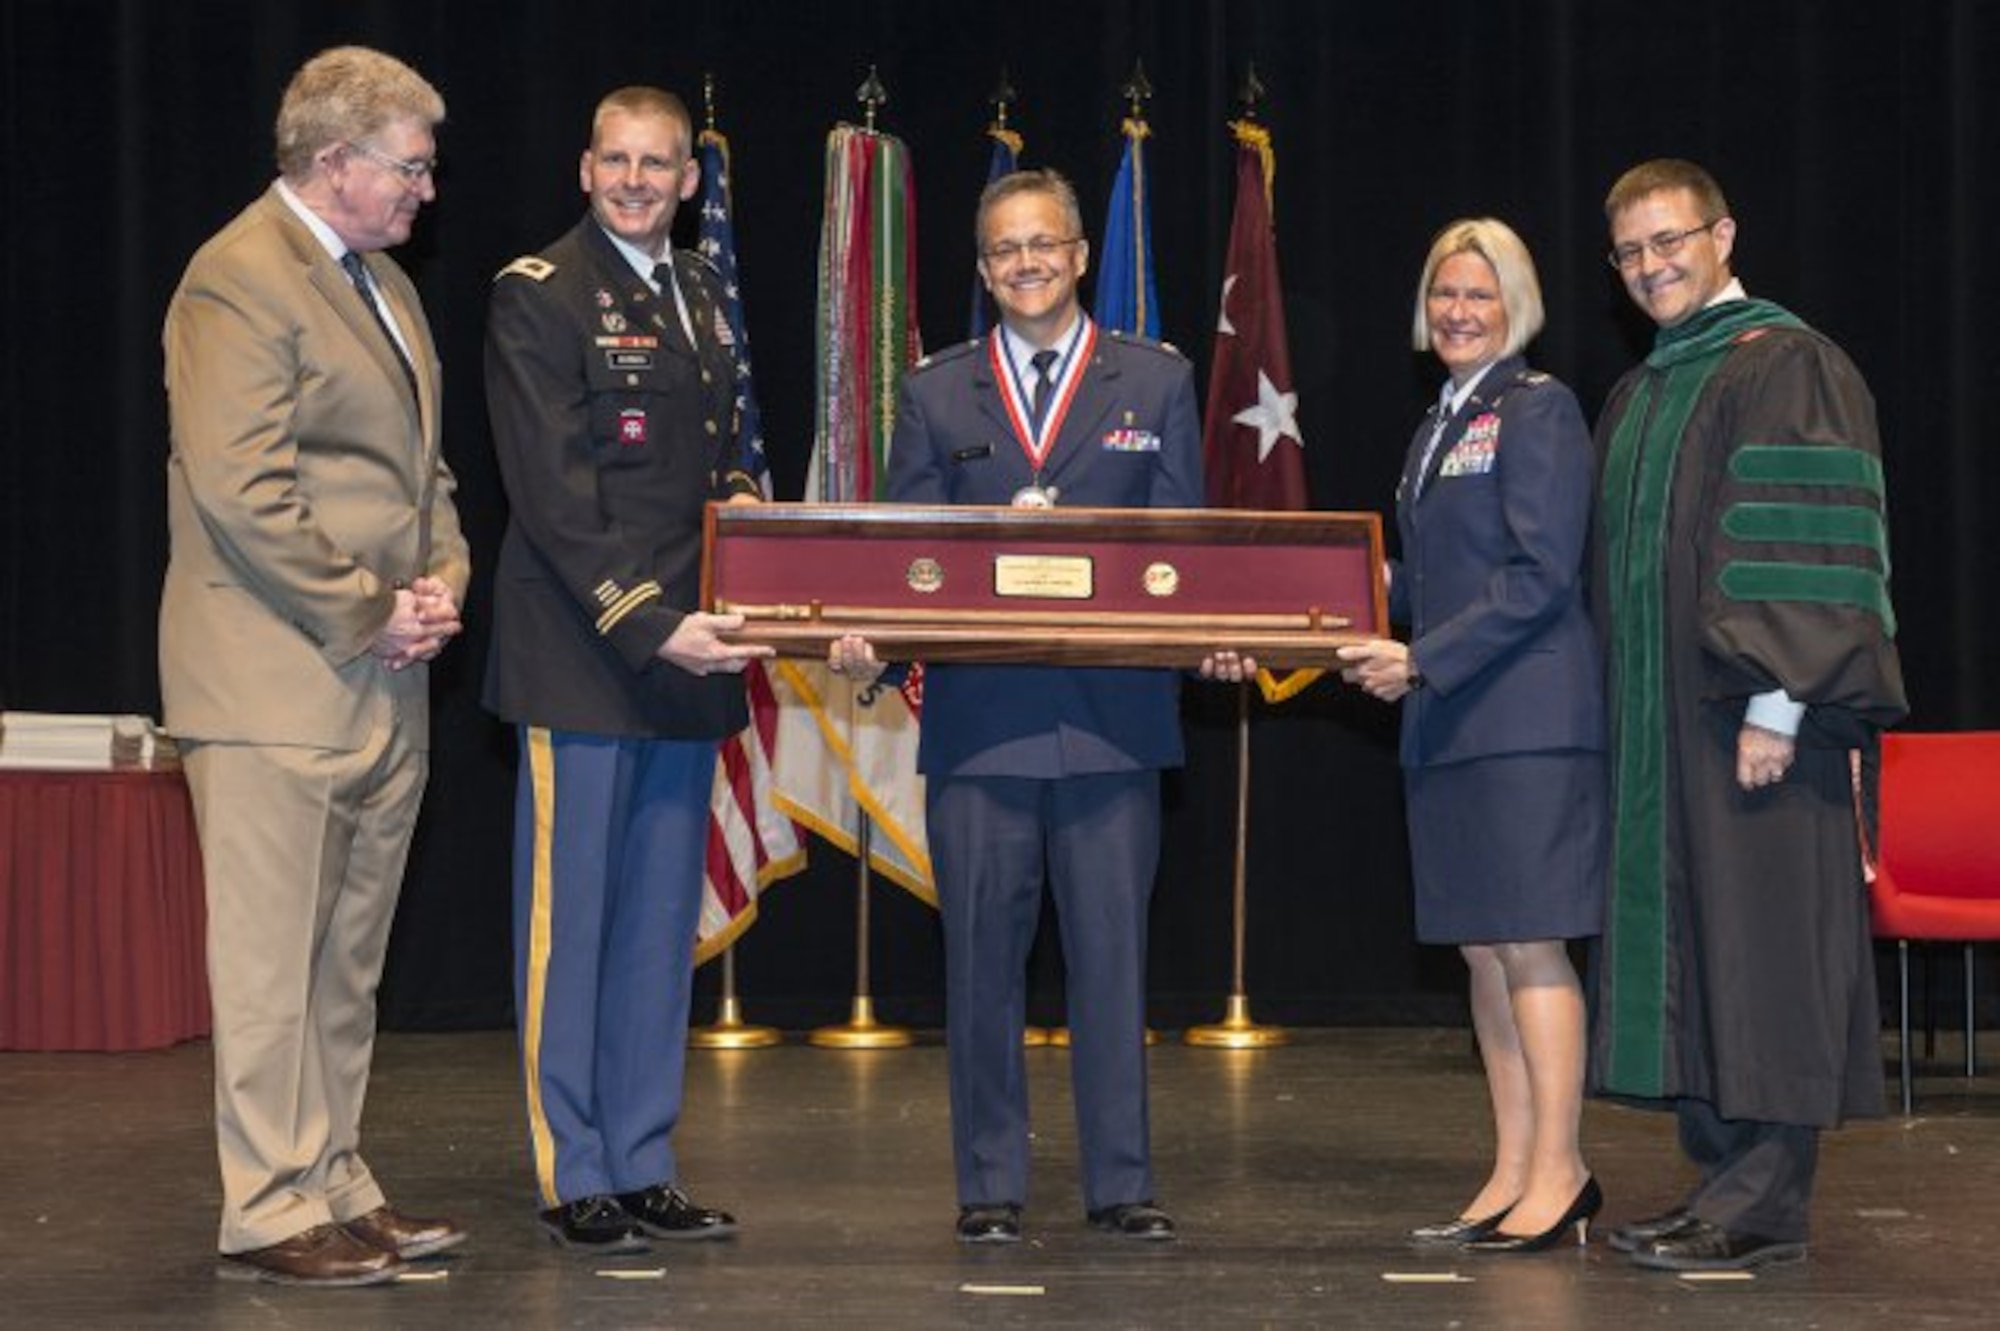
<point>750,843</point>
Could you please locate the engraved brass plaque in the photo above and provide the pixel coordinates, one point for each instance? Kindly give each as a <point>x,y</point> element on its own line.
<point>1048,577</point>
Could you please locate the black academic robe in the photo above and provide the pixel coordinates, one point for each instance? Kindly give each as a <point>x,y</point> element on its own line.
<point>1737,965</point>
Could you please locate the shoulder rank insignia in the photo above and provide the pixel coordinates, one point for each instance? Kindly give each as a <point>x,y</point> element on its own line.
<point>949,353</point>
<point>531,266</point>
<point>1143,343</point>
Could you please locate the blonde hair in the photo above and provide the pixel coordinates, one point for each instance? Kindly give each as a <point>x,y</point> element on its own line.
<point>344,95</point>
<point>1520,291</point>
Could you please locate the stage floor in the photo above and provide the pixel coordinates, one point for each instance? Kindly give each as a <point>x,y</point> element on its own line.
<point>1292,1172</point>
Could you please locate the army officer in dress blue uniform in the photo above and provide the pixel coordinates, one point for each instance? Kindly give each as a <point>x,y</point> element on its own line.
<point>609,381</point>
<point>1503,719</point>
<point>1039,770</point>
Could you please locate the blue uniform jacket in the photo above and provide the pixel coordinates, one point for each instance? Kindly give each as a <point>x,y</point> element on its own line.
<point>1491,576</point>
<point>1132,439</point>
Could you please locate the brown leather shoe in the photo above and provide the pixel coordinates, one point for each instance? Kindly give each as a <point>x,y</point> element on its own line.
<point>325,1255</point>
<point>405,1235</point>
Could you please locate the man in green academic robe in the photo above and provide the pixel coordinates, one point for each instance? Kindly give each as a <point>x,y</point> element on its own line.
<point>1742,590</point>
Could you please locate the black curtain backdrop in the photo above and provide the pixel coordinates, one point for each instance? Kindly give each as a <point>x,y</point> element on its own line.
<point>1856,141</point>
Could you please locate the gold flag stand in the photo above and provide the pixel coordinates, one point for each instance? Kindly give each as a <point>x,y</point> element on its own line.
<point>1236,1030</point>
<point>861,1030</point>
<point>730,1031</point>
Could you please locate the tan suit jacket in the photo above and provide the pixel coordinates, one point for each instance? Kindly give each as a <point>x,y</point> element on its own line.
<point>303,484</point>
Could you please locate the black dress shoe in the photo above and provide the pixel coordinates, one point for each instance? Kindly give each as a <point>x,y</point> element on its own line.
<point>1134,1220</point>
<point>405,1235</point>
<point>1589,1201</point>
<point>1700,1246</point>
<point>594,1224</point>
<point>1634,1234</point>
<point>325,1257</point>
<point>999,1223</point>
<point>1460,1229</point>
<point>665,1212</point>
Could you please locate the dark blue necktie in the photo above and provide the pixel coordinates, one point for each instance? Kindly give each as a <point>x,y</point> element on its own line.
<point>1038,404</point>
<point>357,273</point>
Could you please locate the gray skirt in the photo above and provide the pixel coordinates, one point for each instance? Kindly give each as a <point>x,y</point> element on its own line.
<point>1509,849</point>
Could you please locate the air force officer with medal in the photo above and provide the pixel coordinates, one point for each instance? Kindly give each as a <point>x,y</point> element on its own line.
<point>1034,770</point>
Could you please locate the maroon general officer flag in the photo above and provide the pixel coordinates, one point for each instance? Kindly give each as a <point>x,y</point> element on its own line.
<point>1254,455</point>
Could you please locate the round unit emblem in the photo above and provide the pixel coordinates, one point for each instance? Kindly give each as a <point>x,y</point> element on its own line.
<point>1162,580</point>
<point>925,575</point>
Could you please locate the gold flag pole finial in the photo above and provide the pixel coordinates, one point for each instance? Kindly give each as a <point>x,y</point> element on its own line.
<point>872,96</point>
<point>1138,90</point>
<point>1002,97</point>
<point>1250,91</point>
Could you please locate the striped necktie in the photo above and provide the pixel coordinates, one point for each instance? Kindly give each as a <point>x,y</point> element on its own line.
<point>357,273</point>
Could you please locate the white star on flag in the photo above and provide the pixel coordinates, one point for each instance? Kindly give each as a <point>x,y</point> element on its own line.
<point>1272,416</point>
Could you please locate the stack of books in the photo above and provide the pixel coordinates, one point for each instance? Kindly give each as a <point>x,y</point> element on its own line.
<point>52,741</point>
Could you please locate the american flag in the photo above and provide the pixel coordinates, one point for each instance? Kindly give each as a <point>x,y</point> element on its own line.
<point>750,843</point>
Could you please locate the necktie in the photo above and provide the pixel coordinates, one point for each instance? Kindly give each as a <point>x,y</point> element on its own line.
<point>670,289</point>
<point>1430,449</point>
<point>1038,405</point>
<point>357,273</point>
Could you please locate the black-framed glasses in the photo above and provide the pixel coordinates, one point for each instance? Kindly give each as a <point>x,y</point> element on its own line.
<point>1664,246</point>
<point>411,169</point>
<point>1042,247</point>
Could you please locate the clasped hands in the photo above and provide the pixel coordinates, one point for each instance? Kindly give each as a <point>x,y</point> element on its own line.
<point>426,617</point>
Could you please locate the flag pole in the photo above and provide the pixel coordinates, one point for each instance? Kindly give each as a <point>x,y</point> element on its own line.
<point>1237,1030</point>
<point>730,1031</point>
<point>861,1030</point>
<point>1127,228</point>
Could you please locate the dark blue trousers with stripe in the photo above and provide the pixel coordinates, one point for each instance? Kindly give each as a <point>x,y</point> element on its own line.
<point>609,840</point>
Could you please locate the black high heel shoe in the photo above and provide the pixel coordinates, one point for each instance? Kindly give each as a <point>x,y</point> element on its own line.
<point>1588,1203</point>
<point>1460,1229</point>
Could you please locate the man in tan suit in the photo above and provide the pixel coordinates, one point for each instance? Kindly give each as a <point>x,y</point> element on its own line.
<point>317,565</point>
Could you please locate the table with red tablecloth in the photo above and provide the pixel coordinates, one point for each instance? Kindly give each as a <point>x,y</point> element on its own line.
<point>101,911</point>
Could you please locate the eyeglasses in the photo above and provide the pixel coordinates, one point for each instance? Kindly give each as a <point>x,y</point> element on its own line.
<point>1009,251</point>
<point>1664,246</point>
<point>411,169</point>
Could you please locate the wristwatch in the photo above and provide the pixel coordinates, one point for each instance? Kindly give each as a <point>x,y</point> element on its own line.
<point>1415,679</point>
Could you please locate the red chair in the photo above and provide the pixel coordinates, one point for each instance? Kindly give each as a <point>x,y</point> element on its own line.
<point>1937,872</point>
